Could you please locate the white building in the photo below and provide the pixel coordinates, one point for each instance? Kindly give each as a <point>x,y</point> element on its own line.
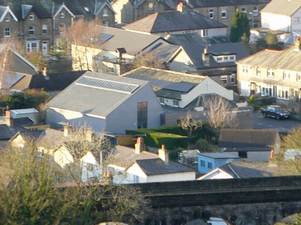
<point>177,89</point>
<point>106,103</point>
<point>139,166</point>
<point>282,15</point>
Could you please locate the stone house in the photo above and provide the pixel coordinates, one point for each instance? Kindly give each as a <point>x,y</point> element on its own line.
<point>275,73</point>
<point>38,25</point>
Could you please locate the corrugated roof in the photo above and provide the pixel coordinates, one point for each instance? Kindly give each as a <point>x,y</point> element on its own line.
<point>172,21</point>
<point>282,7</point>
<point>288,59</point>
<point>91,100</point>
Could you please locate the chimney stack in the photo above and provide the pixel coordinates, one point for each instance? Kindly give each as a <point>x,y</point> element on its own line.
<point>8,118</point>
<point>139,146</point>
<point>66,130</point>
<point>205,56</point>
<point>298,44</point>
<point>180,6</point>
<point>163,154</point>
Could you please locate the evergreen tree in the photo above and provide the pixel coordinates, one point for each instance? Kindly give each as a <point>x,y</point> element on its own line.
<point>240,27</point>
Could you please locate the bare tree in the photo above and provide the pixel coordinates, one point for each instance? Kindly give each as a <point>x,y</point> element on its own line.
<point>189,124</point>
<point>219,113</point>
<point>148,60</point>
<point>31,192</point>
<point>82,35</point>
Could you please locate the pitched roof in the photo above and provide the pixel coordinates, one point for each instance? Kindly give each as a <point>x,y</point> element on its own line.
<point>166,83</point>
<point>17,63</point>
<point>96,94</point>
<point>54,81</point>
<point>219,3</point>
<point>113,38</point>
<point>152,167</point>
<point>194,45</point>
<point>5,132</point>
<point>287,59</point>
<point>241,169</point>
<point>247,139</point>
<point>172,21</point>
<point>125,156</point>
<point>282,7</point>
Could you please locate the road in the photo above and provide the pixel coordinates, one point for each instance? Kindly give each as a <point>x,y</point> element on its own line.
<point>256,120</point>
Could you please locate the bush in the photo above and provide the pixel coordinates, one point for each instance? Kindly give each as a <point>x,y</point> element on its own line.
<point>27,99</point>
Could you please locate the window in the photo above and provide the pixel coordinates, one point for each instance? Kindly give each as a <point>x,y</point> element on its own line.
<point>32,46</point>
<point>224,13</point>
<point>219,58</point>
<point>255,9</point>
<point>245,69</point>
<point>232,58</point>
<point>142,114</point>
<point>211,13</point>
<point>31,30</point>
<point>135,179</point>
<point>90,167</point>
<point>31,17</point>
<point>44,29</point>
<point>270,73</point>
<point>284,75</point>
<point>210,166</point>
<point>175,102</point>
<point>204,33</point>
<point>258,71</point>
<point>232,78</point>
<point>7,19</point>
<point>224,79</point>
<point>62,28</point>
<point>298,77</point>
<point>6,32</point>
<point>243,155</point>
<point>243,10</point>
<point>202,162</point>
<point>62,15</point>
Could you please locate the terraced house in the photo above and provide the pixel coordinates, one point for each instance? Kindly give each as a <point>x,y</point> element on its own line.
<point>221,10</point>
<point>271,73</point>
<point>39,23</point>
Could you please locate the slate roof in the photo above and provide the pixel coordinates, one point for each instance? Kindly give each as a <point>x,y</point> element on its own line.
<point>166,83</point>
<point>247,139</point>
<point>132,42</point>
<point>287,59</point>
<point>282,7</point>
<point>194,46</point>
<point>90,99</point>
<point>152,167</point>
<point>172,21</point>
<point>54,81</point>
<point>125,156</point>
<point>241,169</point>
<point>219,3</point>
<point>19,64</point>
<point>5,132</point>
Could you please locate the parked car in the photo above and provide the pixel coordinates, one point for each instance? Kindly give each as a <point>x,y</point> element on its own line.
<point>274,111</point>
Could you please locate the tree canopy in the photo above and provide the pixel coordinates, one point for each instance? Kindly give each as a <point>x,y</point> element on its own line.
<point>239,27</point>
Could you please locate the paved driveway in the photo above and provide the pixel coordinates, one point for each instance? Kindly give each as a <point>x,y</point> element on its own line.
<point>250,119</point>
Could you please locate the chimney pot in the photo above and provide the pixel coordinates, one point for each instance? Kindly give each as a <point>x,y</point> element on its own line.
<point>8,118</point>
<point>180,7</point>
<point>163,154</point>
<point>139,146</point>
<point>66,130</point>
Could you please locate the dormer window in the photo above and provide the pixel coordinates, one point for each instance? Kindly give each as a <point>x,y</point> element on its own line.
<point>62,15</point>
<point>211,13</point>
<point>31,17</point>
<point>31,30</point>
